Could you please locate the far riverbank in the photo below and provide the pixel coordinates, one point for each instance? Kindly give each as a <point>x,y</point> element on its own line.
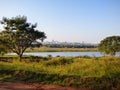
<point>49,49</point>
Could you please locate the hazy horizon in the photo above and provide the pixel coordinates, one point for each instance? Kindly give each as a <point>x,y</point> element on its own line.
<point>68,20</point>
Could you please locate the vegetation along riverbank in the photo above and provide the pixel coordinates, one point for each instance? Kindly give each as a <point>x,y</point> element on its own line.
<point>49,49</point>
<point>96,73</point>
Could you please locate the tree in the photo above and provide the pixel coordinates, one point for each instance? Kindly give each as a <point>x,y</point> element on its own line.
<point>3,49</point>
<point>18,34</point>
<point>110,45</point>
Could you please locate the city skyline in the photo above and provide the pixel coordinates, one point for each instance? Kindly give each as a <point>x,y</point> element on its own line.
<point>68,20</point>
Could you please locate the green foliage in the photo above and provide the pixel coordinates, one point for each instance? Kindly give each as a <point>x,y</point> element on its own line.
<point>18,34</point>
<point>110,45</point>
<point>3,49</point>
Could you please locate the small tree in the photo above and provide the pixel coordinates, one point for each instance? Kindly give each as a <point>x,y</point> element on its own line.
<point>110,45</point>
<point>18,34</point>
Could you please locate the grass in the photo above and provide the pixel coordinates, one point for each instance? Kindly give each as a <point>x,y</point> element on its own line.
<point>48,49</point>
<point>97,73</point>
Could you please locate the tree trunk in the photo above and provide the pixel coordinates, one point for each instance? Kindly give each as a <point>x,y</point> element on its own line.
<point>20,57</point>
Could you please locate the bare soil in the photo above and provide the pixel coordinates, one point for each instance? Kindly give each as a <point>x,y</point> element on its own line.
<point>34,86</point>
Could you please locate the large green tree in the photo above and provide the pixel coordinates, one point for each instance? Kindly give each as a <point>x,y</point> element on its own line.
<point>18,34</point>
<point>110,45</point>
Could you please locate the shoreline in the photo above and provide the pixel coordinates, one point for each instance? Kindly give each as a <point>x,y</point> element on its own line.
<point>48,49</point>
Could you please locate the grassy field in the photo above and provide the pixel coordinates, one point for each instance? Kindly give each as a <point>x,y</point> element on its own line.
<point>96,73</point>
<point>48,49</point>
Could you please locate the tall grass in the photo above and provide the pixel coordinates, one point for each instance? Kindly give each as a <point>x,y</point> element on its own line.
<point>80,66</point>
<point>77,71</point>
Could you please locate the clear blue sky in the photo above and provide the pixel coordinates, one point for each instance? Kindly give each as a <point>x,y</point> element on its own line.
<point>68,20</point>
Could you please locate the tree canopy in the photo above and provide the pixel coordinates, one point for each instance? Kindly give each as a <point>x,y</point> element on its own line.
<point>18,34</point>
<point>110,45</point>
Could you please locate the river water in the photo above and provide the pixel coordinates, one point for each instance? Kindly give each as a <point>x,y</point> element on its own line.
<point>63,53</point>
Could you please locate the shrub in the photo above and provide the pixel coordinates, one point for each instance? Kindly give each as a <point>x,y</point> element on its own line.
<point>59,61</point>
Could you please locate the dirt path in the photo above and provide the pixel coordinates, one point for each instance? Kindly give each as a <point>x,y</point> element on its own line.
<point>33,86</point>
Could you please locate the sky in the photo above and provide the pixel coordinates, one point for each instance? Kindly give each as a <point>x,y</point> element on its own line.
<point>87,21</point>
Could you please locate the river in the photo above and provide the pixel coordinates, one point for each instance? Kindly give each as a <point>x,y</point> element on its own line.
<point>63,53</point>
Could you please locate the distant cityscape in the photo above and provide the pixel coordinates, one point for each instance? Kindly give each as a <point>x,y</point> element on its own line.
<point>58,44</point>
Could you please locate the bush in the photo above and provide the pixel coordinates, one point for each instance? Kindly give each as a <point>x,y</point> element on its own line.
<point>59,61</point>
